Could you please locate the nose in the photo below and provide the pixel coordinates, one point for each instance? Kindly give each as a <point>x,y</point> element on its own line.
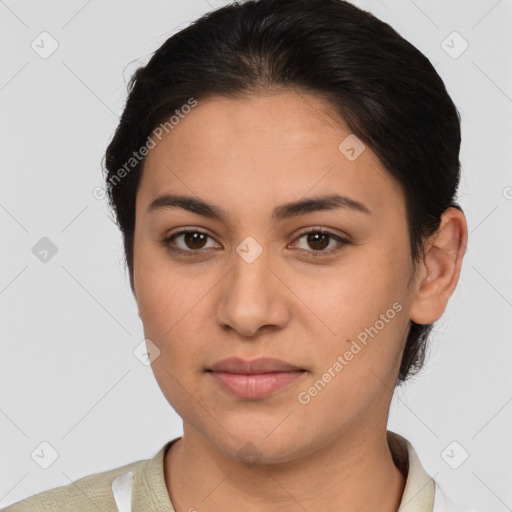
<point>253,298</point>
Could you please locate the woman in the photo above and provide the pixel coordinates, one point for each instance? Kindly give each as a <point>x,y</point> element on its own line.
<point>284,176</point>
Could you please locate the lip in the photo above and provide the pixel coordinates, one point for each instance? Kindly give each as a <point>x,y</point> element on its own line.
<point>255,366</point>
<point>256,379</point>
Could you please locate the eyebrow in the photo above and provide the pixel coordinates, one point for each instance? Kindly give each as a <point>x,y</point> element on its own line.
<point>285,211</point>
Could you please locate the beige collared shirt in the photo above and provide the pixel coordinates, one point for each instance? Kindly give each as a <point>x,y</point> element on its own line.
<point>140,486</point>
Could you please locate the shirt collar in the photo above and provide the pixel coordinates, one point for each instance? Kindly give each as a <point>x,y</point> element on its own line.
<point>418,495</point>
<point>150,491</point>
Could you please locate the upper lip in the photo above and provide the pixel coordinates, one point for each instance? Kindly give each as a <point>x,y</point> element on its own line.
<point>260,365</point>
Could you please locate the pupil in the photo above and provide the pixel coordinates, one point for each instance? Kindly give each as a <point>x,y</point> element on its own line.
<point>311,240</point>
<point>196,238</point>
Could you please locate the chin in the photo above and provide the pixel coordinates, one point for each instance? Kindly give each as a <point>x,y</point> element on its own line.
<point>264,444</point>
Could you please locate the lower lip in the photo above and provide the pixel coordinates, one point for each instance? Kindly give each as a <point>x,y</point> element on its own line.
<point>255,386</point>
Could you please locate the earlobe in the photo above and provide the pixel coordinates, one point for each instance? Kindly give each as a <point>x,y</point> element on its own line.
<point>441,268</point>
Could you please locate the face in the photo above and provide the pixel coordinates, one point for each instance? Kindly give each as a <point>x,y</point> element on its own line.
<point>322,287</point>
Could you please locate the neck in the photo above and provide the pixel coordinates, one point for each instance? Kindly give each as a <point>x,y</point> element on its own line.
<point>352,473</point>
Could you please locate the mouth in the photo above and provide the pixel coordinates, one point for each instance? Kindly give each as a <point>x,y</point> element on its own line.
<point>256,379</point>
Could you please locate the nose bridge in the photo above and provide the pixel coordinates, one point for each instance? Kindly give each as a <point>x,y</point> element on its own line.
<point>251,294</point>
<point>251,273</point>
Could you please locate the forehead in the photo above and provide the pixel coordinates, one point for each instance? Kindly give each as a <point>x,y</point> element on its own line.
<point>271,120</point>
<point>276,147</point>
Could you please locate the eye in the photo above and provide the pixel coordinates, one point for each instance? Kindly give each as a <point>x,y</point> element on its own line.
<point>193,241</point>
<point>319,240</point>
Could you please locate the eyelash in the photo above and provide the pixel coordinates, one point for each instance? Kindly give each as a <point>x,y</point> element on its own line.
<point>315,254</point>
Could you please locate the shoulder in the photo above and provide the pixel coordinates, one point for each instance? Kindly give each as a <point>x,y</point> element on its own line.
<point>91,492</point>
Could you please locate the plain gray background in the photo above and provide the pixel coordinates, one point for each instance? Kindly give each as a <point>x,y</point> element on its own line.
<point>69,325</point>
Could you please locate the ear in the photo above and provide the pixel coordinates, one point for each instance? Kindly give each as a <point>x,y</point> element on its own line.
<point>438,273</point>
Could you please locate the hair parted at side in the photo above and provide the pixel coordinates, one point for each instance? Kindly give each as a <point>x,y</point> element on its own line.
<point>386,91</point>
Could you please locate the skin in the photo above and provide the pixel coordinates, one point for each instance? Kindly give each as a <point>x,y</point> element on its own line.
<point>249,156</point>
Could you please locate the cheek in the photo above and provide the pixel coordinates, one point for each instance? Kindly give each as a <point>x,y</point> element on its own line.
<point>364,307</point>
<point>165,295</point>
<point>171,305</point>
<point>170,317</point>
<point>350,298</point>
<point>356,375</point>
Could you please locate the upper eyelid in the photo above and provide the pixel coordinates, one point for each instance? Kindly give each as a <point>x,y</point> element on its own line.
<point>189,230</point>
